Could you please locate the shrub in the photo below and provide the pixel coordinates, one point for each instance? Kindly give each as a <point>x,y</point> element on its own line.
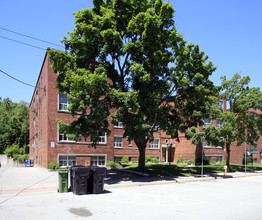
<point>148,159</point>
<point>199,161</point>
<point>111,164</point>
<point>248,160</point>
<point>154,160</point>
<point>124,159</point>
<point>190,162</point>
<point>179,160</point>
<point>212,162</point>
<point>53,166</point>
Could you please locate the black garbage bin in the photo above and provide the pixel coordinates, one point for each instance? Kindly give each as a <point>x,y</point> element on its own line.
<point>71,176</point>
<point>80,181</point>
<point>96,181</point>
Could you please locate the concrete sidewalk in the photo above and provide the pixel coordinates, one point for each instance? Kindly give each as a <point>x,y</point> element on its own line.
<point>21,180</point>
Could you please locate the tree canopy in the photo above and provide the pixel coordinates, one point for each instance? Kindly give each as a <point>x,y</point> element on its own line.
<point>14,127</point>
<point>127,55</point>
<point>240,123</point>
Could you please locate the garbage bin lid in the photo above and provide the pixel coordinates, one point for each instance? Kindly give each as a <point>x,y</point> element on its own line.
<point>82,170</point>
<point>63,171</point>
<point>99,170</point>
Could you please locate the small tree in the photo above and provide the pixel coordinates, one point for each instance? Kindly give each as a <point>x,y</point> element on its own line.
<point>238,125</point>
<point>237,122</point>
<point>146,71</point>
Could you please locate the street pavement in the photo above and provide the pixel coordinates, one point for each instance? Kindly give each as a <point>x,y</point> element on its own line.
<point>30,193</point>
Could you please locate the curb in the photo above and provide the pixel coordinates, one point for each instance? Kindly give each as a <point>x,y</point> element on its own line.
<point>180,180</point>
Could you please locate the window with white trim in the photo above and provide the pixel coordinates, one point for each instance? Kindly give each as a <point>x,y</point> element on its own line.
<point>206,122</point>
<point>154,144</point>
<point>65,137</point>
<point>66,160</point>
<point>98,160</point>
<point>253,114</point>
<point>221,105</point>
<point>119,125</point>
<point>205,143</point>
<point>64,102</point>
<point>253,148</point>
<point>117,142</point>
<point>219,123</point>
<point>102,137</point>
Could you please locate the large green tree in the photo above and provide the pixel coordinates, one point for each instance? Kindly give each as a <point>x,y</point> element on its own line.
<point>239,124</point>
<point>14,125</point>
<point>145,70</point>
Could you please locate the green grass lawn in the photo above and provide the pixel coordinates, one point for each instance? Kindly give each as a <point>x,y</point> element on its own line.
<point>164,170</point>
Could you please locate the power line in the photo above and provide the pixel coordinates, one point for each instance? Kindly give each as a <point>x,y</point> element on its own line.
<point>16,79</point>
<point>34,38</point>
<point>20,42</point>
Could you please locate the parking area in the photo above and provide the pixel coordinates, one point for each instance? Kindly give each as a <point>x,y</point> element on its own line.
<point>231,198</point>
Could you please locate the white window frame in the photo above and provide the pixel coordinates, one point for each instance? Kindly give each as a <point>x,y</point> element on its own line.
<point>119,125</point>
<point>118,144</point>
<point>252,150</point>
<point>69,160</point>
<point>206,123</point>
<point>221,104</point>
<point>102,138</point>
<point>153,145</point>
<point>96,160</point>
<point>65,105</point>
<point>253,114</point>
<point>130,144</point>
<point>219,125</point>
<point>63,139</point>
<point>205,145</point>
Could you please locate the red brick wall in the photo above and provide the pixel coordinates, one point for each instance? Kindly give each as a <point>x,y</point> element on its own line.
<point>44,111</point>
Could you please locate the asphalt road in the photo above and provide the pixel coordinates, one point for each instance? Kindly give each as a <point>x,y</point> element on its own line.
<point>231,198</point>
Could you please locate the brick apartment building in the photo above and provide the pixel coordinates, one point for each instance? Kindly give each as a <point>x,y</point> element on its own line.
<point>47,144</point>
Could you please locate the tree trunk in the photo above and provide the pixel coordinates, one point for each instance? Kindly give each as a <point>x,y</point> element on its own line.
<point>228,154</point>
<point>142,155</point>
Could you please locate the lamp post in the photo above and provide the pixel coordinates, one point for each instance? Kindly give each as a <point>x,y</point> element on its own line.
<point>245,157</point>
<point>169,154</point>
<point>202,165</point>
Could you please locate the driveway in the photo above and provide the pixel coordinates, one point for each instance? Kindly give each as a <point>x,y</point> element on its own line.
<point>230,198</point>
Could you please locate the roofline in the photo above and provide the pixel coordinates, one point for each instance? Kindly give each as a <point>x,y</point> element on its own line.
<point>39,75</point>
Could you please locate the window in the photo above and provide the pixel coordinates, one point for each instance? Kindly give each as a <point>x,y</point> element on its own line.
<point>117,142</point>
<point>66,160</point>
<point>253,148</point>
<point>65,137</point>
<point>205,143</point>
<point>64,102</point>
<point>253,114</point>
<point>98,161</point>
<point>219,158</point>
<point>117,159</point>
<point>206,122</point>
<point>154,144</point>
<point>102,137</point>
<point>219,123</point>
<point>36,140</point>
<point>130,143</point>
<point>222,139</point>
<point>221,105</point>
<point>119,125</point>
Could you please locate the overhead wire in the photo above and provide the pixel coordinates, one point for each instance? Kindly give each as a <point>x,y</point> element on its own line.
<point>20,42</point>
<point>34,38</point>
<point>16,79</point>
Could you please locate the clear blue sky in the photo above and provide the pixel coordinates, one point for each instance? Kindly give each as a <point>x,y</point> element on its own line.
<point>229,31</point>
